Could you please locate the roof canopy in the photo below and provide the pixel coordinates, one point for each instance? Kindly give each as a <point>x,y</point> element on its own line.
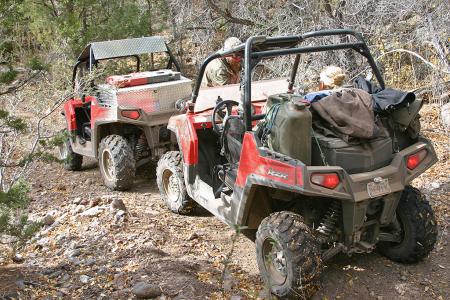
<point>121,48</point>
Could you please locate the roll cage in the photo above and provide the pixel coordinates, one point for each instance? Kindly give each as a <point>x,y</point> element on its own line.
<point>259,47</point>
<point>97,51</point>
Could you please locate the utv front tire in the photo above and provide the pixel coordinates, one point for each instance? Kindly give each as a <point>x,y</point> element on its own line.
<point>116,161</point>
<point>418,229</point>
<point>288,255</point>
<point>72,161</point>
<point>170,180</point>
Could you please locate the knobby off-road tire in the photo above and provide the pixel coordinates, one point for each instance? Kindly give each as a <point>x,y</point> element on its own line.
<point>72,161</point>
<point>288,255</point>
<point>170,180</point>
<point>419,229</point>
<point>116,161</point>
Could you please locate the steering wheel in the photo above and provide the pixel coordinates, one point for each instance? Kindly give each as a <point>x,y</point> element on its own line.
<point>219,111</point>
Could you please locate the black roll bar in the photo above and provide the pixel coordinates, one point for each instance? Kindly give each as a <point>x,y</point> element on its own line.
<point>293,73</point>
<point>286,45</point>
<point>201,72</point>
<point>172,60</point>
<point>246,92</point>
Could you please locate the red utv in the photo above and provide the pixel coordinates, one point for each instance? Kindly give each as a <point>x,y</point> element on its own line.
<point>249,154</point>
<point>122,119</point>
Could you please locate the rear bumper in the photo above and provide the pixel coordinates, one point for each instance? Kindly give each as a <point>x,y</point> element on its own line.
<point>351,192</point>
<point>353,188</point>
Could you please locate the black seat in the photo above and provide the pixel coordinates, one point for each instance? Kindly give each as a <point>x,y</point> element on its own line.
<point>232,136</point>
<point>87,130</point>
<point>83,117</point>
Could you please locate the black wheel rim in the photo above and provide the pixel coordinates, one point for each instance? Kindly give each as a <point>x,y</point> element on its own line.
<point>275,263</point>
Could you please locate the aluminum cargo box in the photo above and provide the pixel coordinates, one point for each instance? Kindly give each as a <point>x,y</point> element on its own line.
<point>154,98</point>
<point>142,78</point>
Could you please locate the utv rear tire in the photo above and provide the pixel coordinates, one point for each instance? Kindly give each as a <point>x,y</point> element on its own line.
<point>170,180</point>
<point>419,229</point>
<point>116,161</point>
<point>72,161</point>
<point>288,255</point>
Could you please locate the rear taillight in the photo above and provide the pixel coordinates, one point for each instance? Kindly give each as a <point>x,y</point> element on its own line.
<point>415,159</point>
<point>328,180</point>
<point>131,114</point>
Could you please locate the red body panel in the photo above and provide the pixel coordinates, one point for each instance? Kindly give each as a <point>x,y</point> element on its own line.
<point>142,99</point>
<point>97,112</point>
<point>69,110</point>
<point>252,162</point>
<point>184,126</point>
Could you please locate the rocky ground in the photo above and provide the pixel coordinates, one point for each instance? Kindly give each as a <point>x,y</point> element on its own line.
<point>98,244</point>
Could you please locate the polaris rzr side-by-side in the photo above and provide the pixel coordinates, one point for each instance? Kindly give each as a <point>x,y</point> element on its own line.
<point>254,156</point>
<point>122,120</point>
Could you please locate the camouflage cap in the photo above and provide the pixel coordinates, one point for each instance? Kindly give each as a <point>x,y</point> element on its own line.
<point>333,76</point>
<point>230,43</point>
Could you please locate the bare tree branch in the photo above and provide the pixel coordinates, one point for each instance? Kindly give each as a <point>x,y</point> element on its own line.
<point>15,88</point>
<point>416,55</point>
<point>226,14</point>
<point>437,44</point>
<point>23,169</point>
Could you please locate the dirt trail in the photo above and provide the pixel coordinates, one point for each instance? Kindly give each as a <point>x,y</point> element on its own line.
<point>104,253</point>
<point>181,254</point>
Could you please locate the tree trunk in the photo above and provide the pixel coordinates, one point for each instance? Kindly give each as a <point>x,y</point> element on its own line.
<point>150,30</point>
<point>442,52</point>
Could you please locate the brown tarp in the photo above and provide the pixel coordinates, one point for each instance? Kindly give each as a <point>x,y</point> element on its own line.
<point>347,114</point>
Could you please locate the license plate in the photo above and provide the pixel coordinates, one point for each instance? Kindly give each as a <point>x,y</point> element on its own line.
<point>376,189</point>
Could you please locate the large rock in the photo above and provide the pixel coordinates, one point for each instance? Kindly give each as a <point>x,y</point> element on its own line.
<point>445,115</point>
<point>18,259</point>
<point>144,290</point>
<point>94,202</point>
<point>77,200</point>
<point>85,279</point>
<point>48,220</point>
<point>73,253</point>
<point>49,217</point>
<point>43,242</point>
<point>93,212</point>
<point>118,204</point>
<point>120,281</point>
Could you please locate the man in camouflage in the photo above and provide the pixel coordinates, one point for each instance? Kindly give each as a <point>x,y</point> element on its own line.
<point>224,70</point>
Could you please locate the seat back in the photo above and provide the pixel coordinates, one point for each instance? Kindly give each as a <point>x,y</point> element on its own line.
<point>233,134</point>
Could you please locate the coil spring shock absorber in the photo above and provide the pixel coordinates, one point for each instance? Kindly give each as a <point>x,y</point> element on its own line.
<point>328,225</point>
<point>141,149</point>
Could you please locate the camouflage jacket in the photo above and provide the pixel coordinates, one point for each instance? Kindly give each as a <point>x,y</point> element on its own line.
<point>219,72</point>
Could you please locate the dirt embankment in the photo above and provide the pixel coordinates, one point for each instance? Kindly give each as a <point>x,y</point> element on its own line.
<point>93,249</point>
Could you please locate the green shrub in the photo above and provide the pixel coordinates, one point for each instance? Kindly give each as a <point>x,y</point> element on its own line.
<point>36,64</point>
<point>7,47</point>
<point>8,76</point>
<point>13,221</point>
<point>12,122</point>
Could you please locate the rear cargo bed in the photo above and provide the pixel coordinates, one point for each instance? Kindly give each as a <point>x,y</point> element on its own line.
<point>362,157</point>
